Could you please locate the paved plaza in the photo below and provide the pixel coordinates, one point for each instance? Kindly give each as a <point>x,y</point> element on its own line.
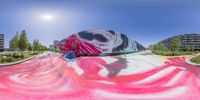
<point>138,76</point>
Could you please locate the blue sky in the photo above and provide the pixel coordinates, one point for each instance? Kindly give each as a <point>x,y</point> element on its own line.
<point>146,21</point>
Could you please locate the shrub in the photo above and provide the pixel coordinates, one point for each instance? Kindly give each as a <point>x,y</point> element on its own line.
<point>15,55</point>
<point>9,59</point>
<point>21,55</point>
<point>170,53</point>
<point>195,60</point>
<point>3,60</point>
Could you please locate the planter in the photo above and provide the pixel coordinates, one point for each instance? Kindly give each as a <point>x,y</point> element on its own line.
<point>17,62</point>
<point>187,60</point>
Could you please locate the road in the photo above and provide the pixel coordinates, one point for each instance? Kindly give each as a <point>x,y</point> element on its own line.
<point>137,76</point>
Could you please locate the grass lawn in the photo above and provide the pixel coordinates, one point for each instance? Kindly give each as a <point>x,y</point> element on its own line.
<point>173,53</point>
<point>13,57</point>
<point>196,59</point>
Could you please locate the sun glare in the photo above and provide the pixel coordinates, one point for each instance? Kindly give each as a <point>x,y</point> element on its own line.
<point>47,17</point>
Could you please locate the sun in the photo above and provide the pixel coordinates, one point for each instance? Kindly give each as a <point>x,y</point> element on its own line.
<point>47,17</point>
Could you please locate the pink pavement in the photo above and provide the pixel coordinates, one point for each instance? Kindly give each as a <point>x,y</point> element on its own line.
<point>50,77</point>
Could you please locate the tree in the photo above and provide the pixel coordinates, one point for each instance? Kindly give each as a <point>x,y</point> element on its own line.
<point>45,48</point>
<point>192,48</point>
<point>187,48</point>
<point>36,45</point>
<point>23,42</point>
<point>155,47</point>
<point>42,47</point>
<point>151,47</point>
<point>175,43</point>
<point>161,46</point>
<point>55,49</point>
<point>29,47</point>
<point>14,42</point>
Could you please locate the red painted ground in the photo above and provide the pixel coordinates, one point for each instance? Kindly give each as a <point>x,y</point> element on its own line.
<point>52,78</point>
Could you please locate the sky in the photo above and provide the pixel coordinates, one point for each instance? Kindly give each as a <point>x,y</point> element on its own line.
<point>146,21</point>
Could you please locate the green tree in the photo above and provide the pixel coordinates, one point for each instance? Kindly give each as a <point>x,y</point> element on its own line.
<point>175,43</point>
<point>42,47</point>
<point>29,47</point>
<point>23,42</point>
<point>36,45</point>
<point>150,47</point>
<point>45,48</point>
<point>14,42</point>
<point>161,46</point>
<point>56,49</point>
<point>187,48</point>
<point>192,48</point>
<point>155,47</point>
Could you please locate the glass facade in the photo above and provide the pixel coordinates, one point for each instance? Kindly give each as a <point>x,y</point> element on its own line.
<point>187,40</point>
<point>1,42</point>
<point>191,40</point>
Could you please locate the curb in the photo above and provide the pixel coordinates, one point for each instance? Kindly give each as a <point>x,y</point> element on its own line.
<point>17,62</point>
<point>187,60</point>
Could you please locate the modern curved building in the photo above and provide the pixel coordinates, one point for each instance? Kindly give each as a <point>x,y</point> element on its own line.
<point>1,42</point>
<point>191,40</point>
<point>98,42</point>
